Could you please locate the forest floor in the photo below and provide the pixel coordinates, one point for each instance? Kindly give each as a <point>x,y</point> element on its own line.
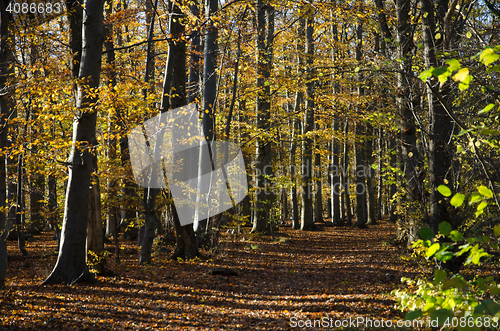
<point>340,275</point>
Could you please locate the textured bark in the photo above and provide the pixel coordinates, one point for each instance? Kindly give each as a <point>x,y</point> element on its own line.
<point>384,27</point>
<point>209,95</point>
<point>370,189</point>
<point>174,96</point>
<point>5,109</point>
<point>299,96</point>
<point>264,197</point>
<point>318,201</point>
<point>306,215</point>
<point>380,201</point>
<point>74,11</point>
<point>71,265</point>
<point>360,189</point>
<point>441,126</point>
<point>95,233</point>
<point>345,177</point>
<point>194,59</point>
<point>335,174</point>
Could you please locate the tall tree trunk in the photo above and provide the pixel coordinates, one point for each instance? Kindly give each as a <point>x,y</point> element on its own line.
<point>194,58</point>
<point>335,174</point>
<point>5,109</point>
<point>74,11</point>
<point>293,176</point>
<point>410,154</point>
<point>380,200</point>
<point>71,265</point>
<point>209,97</point>
<point>265,35</point>
<point>345,177</point>
<point>441,126</point>
<point>370,189</point>
<point>318,202</point>
<point>299,96</point>
<point>306,216</point>
<point>360,189</point>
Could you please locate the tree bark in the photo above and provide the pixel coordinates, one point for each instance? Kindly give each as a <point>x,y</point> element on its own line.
<point>360,189</point>
<point>209,97</point>
<point>345,177</point>
<point>370,189</point>
<point>441,125</point>
<point>265,196</point>
<point>71,265</point>
<point>5,109</point>
<point>335,174</point>
<point>194,59</point>
<point>306,216</point>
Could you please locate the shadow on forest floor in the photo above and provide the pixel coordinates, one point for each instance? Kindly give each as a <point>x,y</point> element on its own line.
<point>331,277</point>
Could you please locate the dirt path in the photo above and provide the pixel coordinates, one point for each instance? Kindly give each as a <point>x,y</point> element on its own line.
<point>329,276</point>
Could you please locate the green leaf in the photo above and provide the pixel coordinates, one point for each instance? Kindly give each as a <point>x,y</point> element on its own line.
<point>475,197</point>
<point>426,233</point>
<point>462,132</point>
<point>441,315</point>
<point>482,205</point>
<point>494,68</point>
<point>444,256</point>
<point>488,56</point>
<point>454,283</point>
<point>494,290</point>
<point>496,230</point>
<point>426,74</point>
<point>488,307</point>
<point>433,249</point>
<point>439,276</point>
<point>444,190</point>
<point>453,63</point>
<point>444,228</point>
<point>413,315</point>
<point>485,191</point>
<point>457,200</point>
<point>456,236</point>
<point>490,132</point>
<point>487,108</point>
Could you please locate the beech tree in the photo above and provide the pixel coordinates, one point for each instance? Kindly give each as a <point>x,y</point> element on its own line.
<point>71,265</point>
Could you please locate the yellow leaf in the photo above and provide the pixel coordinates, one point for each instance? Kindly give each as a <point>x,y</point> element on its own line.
<point>461,75</point>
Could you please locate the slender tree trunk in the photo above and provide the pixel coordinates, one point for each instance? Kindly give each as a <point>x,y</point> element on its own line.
<point>335,174</point>
<point>370,189</point>
<point>71,265</point>
<point>380,200</point>
<point>209,98</point>
<point>306,216</point>
<point>299,96</point>
<point>264,197</point>
<point>5,109</point>
<point>194,59</point>
<point>345,177</point>
<point>293,176</point>
<point>318,201</point>
<point>360,189</point>
<point>74,11</point>
<point>441,125</point>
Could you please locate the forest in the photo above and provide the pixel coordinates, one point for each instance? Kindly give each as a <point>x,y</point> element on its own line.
<point>249,164</point>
